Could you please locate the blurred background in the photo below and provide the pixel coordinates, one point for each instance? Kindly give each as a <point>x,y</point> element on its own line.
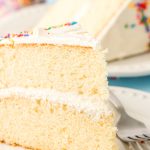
<point>8,6</point>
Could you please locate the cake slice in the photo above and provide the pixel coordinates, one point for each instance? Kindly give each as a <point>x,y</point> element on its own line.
<point>129,27</point>
<point>126,22</point>
<point>101,15</point>
<point>54,92</point>
<point>96,16</point>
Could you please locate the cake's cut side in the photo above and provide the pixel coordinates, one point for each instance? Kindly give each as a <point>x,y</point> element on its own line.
<point>76,69</point>
<point>45,125</point>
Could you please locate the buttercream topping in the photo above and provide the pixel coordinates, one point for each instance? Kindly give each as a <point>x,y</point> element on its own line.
<point>61,35</point>
<point>91,105</point>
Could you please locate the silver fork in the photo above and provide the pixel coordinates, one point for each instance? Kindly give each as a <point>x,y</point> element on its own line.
<point>129,129</point>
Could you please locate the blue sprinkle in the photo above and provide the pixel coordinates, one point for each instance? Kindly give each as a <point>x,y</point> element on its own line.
<point>73,23</point>
<point>147,28</point>
<point>26,34</point>
<point>133,25</point>
<point>8,35</point>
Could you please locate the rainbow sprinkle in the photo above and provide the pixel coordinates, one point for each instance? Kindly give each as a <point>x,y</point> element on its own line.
<point>21,34</point>
<point>62,25</point>
<point>142,19</point>
<point>28,33</point>
<point>11,36</point>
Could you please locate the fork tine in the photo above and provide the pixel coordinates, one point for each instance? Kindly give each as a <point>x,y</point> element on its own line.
<point>143,146</point>
<point>131,147</point>
<point>134,146</point>
<point>137,146</point>
<point>148,144</point>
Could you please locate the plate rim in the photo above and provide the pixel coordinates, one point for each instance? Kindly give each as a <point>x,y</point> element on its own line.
<point>115,71</point>
<point>129,89</point>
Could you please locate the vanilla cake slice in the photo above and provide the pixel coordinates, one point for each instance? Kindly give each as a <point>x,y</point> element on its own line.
<point>53,91</point>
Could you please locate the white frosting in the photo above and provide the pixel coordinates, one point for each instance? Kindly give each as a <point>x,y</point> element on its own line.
<point>67,35</point>
<point>112,21</point>
<point>83,10</point>
<point>91,105</point>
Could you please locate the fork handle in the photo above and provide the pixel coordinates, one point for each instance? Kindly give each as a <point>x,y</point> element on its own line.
<point>116,102</point>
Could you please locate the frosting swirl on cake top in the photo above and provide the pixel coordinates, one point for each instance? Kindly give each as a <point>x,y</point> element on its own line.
<point>66,34</point>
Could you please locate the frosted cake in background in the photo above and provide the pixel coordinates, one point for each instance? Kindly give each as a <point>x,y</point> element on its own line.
<point>125,35</point>
<point>131,33</point>
<point>95,16</point>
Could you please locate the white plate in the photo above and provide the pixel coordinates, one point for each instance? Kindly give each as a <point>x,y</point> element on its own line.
<point>130,67</point>
<point>136,103</point>
<point>24,19</point>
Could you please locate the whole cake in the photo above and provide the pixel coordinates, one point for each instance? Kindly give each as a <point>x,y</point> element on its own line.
<point>126,22</point>
<point>54,92</point>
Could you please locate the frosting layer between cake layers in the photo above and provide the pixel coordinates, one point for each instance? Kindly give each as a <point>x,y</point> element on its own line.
<point>71,34</point>
<point>93,106</point>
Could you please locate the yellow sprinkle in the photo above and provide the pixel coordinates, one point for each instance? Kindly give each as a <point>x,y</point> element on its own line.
<point>30,32</point>
<point>131,5</point>
<point>149,20</point>
<point>12,41</point>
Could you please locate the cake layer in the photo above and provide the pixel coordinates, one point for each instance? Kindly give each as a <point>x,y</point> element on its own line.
<point>74,69</point>
<point>93,106</point>
<point>45,125</point>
